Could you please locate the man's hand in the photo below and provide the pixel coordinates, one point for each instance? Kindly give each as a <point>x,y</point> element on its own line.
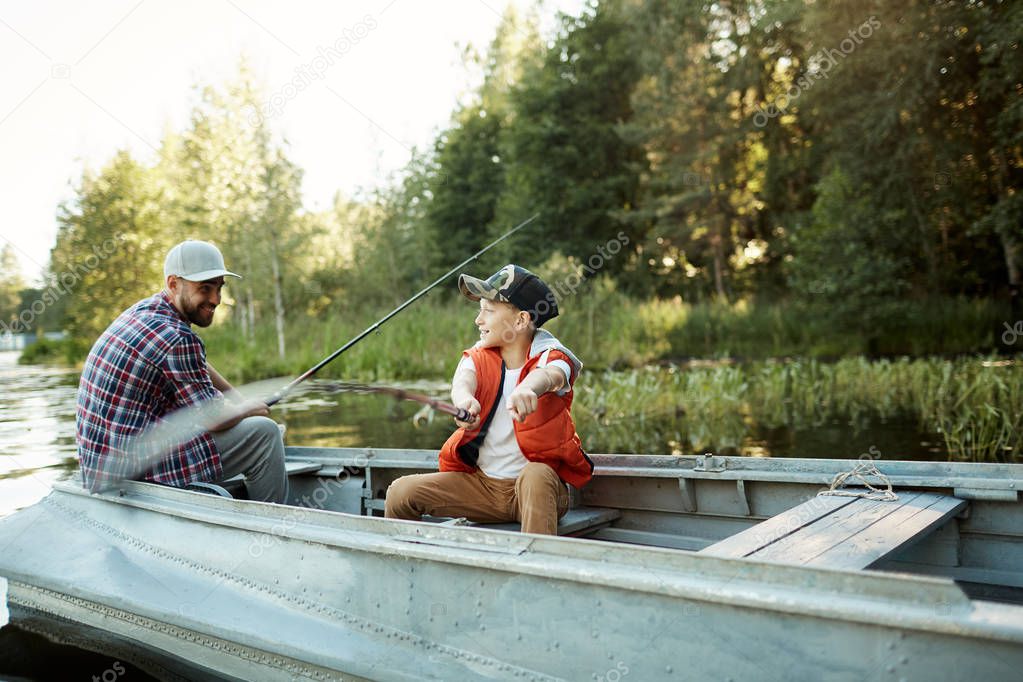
<point>254,408</point>
<point>522,402</point>
<point>472,406</point>
<point>249,408</point>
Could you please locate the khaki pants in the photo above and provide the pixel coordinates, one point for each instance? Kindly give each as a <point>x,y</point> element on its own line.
<point>537,498</point>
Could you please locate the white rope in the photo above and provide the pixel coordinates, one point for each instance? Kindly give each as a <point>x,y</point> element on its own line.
<point>860,472</point>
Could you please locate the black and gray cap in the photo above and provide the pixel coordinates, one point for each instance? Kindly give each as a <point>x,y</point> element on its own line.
<point>515,285</point>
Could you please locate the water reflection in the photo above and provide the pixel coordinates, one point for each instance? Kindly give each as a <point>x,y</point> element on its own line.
<point>317,416</point>
<point>37,445</point>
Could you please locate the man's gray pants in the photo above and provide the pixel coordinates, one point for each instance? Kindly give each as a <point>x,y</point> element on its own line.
<point>254,448</point>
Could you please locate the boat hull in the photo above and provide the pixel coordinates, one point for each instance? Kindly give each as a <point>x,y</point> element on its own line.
<point>249,590</point>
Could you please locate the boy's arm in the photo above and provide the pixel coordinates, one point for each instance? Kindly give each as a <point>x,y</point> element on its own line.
<point>463,392</point>
<point>523,400</point>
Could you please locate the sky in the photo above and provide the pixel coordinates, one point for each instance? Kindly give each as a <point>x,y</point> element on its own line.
<point>81,80</point>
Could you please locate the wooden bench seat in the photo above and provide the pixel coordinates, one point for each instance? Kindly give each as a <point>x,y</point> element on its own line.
<point>841,532</point>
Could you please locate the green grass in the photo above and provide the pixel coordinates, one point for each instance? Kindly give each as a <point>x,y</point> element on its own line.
<point>603,326</point>
<point>67,351</point>
<point>975,403</point>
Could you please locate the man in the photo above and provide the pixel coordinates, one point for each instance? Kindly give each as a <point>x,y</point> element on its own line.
<point>512,461</point>
<point>149,364</point>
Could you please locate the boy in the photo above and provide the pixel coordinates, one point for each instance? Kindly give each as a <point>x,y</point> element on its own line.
<point>512,461</point>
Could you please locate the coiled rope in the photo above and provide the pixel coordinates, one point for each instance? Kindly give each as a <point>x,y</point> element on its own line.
<point>860,473</point>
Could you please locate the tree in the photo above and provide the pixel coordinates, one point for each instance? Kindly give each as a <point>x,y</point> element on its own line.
<point>565,156</point>
<point>920,143</point>
<point>841,260</point>
<point>702,202</point>
<point>11,284</point>
<point>237,188</point>
<point>465,175</point>
<point>111,241</point>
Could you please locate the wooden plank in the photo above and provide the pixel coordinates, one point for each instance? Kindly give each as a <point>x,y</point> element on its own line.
<point>777,527</point>
<point>832,529</point>
<point>906,525</point>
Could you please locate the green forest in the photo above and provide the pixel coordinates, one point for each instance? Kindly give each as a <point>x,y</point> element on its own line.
<point>783,176</point>
<point>746,179</point>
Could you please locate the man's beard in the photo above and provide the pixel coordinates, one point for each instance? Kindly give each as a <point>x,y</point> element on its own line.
<point>193,313</point>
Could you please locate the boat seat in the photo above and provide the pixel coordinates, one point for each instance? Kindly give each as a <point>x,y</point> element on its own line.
<point>841,532</point>
<point>576,522</point>
<point>236,484</point>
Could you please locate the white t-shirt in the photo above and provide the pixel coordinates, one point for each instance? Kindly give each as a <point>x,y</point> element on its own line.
<point>500,456</point>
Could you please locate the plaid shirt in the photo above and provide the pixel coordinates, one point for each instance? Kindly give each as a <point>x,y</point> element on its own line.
<point>147,364</point>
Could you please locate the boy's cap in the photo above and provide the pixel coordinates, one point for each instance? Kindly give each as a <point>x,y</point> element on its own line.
<point>195,261</point>
<point>515,285</point>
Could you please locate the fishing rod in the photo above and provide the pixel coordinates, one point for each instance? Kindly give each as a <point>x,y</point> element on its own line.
<point>153,444</point>
<point>458,413</point>
<point>279,395</point>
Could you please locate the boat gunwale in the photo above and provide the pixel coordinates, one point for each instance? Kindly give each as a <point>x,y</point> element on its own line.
<point>967,475</point>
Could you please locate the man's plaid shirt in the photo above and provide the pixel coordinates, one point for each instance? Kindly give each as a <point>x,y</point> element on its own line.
<point>147,364</point>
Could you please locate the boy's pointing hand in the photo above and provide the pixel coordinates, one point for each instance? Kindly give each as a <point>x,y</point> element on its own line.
<point>522,403</point>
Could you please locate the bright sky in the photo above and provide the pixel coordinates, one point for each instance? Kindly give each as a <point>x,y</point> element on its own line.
<point>83,79</point>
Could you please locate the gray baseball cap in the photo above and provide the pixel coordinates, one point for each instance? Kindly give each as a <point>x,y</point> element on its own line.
<point>196,261</point>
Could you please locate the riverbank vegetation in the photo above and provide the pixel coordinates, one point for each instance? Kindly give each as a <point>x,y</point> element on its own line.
<point>608,329</point>
<point>972,406</point>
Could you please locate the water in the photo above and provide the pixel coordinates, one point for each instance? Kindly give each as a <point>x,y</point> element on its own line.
<point>37,425</point>
<point>37,447</point>
<point>37,430</point>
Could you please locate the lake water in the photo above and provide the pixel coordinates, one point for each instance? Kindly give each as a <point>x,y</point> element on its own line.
<point>37,406</point>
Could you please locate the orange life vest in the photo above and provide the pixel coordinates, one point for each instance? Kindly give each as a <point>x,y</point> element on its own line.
<point>547,435</point>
